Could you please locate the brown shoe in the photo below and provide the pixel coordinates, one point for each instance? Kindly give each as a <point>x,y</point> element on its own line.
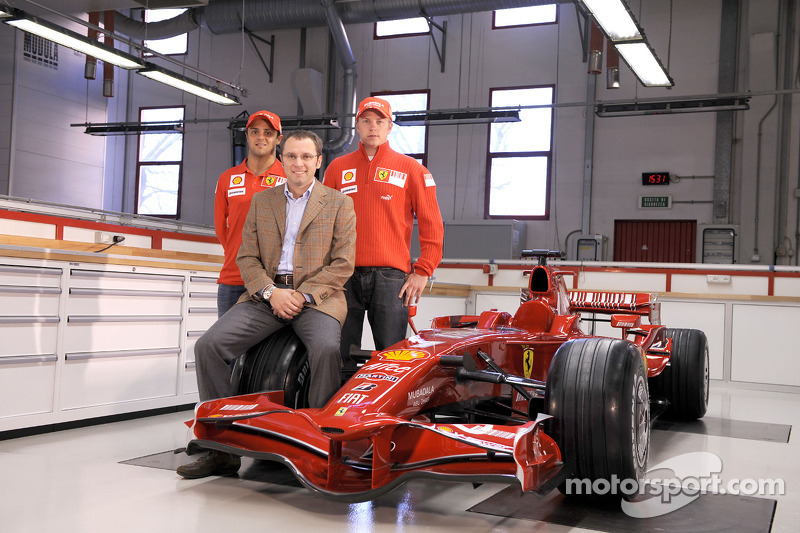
<point>214,463</point>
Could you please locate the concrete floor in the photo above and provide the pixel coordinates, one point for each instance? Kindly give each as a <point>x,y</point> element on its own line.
<point>75,481</point>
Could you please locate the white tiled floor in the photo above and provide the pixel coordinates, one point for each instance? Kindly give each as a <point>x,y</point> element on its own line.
<point>72,481</point>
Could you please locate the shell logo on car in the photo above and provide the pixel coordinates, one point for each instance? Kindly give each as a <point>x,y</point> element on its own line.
<point>402,355</point>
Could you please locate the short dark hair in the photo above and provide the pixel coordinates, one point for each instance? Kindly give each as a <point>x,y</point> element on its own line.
<point>303,134</point>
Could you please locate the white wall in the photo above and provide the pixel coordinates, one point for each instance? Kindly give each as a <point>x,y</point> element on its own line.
<point>477,59</point>
<point>52,161</point>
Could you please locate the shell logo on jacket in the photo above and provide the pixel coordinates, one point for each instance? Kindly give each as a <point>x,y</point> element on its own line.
<point>348,176</point>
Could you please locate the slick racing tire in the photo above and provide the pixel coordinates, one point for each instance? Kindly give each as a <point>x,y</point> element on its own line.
<point>279,362</point>
<point>597,395</point>
<point>684,383</point>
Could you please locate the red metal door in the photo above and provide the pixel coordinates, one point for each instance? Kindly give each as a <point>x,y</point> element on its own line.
<point>656,241</point>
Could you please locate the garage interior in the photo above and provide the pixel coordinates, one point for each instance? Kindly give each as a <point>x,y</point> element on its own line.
<point>687,186</point>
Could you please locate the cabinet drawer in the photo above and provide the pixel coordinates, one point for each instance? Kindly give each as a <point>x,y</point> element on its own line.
<point>93,301</point>
<point>90,336</point>
<point>26,385</point>
<point>95,378</point>
<point>28,335</point>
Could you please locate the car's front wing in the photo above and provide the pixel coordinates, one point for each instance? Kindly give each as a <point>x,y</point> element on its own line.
<point>336,457</point>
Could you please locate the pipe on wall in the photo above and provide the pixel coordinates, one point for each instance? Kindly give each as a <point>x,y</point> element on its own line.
<point>347,119</point>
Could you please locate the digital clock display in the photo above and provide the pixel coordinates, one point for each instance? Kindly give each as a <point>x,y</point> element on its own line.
<point>655,178</point>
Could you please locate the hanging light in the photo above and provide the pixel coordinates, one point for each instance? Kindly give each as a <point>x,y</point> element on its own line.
<point>188,85</point>
<point>70,39</point>
<point>620,27</point>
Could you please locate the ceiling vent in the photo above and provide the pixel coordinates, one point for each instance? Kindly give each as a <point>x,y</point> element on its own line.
<point>164,4</point>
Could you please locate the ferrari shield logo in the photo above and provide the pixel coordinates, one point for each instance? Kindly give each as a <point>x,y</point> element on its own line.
<point>382,175</point>
<point>340,411</point>
<point>269,181</point>
<point>403,355</point>
<point>527,362</point>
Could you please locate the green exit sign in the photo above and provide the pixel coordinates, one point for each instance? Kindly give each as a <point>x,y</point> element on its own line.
<point>655,202</point>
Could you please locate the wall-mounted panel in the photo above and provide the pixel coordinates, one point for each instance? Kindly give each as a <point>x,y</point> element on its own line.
<point>787,287</point>
<point>719,284</point>
<point>763,346</point>
<point>630,282</point>
<point>707,317</point>
<point>502,302</point>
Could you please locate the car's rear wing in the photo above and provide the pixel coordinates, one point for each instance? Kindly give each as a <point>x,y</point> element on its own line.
<point>609,303</point>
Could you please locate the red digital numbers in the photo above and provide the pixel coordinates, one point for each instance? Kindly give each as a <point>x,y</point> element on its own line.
<point>655,178</point>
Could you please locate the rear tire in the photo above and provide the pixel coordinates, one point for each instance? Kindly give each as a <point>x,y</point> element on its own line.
<point>598,397</point>
<point>279,362</point>
<point>684,383</point>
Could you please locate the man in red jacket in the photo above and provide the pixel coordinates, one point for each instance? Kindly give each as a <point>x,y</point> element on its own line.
<point>388,190</point>
<point>261,170</point>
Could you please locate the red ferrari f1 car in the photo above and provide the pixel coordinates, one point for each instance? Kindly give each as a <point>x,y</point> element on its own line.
<point>528,399</point>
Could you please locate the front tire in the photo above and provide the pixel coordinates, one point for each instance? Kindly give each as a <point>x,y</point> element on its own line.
<point>598,397</point>
<point>685,382</point>
<point>279,362</point>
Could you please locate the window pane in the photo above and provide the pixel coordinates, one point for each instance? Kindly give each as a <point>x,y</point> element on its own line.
<point>407,139</point>
<point>161,114</point>
<point>158,189</point>
<point>171,45</point>
<point>161,146</point>
<point>520,16</point>
<point>533,132</point>
<point>518,186</point>
<point>387,28</point>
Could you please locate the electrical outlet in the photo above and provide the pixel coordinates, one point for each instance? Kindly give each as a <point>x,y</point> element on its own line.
<point>718,279</point>
<point>103,237</point>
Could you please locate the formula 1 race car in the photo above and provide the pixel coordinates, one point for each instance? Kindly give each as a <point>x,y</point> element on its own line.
<point>527,399</point>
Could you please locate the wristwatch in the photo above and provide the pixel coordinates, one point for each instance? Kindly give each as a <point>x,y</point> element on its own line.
<point>266,292</point>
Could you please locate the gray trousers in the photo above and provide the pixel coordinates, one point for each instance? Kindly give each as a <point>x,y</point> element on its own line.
<point>248,323</point>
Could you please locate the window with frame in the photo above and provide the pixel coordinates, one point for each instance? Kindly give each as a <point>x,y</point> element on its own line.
<point>388,29</point>
<point>520,155</point>
<point>409,140</point>
<point>177,45</point>
<point>524,16</point>
<point>159,165</point>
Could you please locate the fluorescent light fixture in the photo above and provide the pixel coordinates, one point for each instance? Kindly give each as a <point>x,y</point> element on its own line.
<point>71,39</point>
<point>620,27</point>
<point>643,62</point>
<point>443,118</point>
<point>131,128</point>
<point>615,18</point>
<point>188,85</point>
<point>668,107</point>
<point>5,12</point>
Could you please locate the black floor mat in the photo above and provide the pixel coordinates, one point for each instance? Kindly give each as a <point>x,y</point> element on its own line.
<point>708,513</point>
<point>721,427</point>
<point>264,471</point>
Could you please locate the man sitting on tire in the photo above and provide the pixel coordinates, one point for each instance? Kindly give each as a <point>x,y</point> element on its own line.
<point>297,252</point>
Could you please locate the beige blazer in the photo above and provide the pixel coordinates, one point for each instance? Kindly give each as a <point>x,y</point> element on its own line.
<point>324,254</point>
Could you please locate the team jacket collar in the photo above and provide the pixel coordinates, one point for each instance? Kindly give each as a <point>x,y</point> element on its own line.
<point>381,150</point>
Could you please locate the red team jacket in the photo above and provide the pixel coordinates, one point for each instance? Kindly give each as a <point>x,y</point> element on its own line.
<point>387,192</point>
<point>235,189</point>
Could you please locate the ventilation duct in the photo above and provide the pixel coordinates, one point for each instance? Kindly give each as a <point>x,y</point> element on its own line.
<point>225,16</point>
<point>137,29</point>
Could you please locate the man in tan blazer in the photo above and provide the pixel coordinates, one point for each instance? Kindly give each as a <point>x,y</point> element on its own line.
<point>297,252</point>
